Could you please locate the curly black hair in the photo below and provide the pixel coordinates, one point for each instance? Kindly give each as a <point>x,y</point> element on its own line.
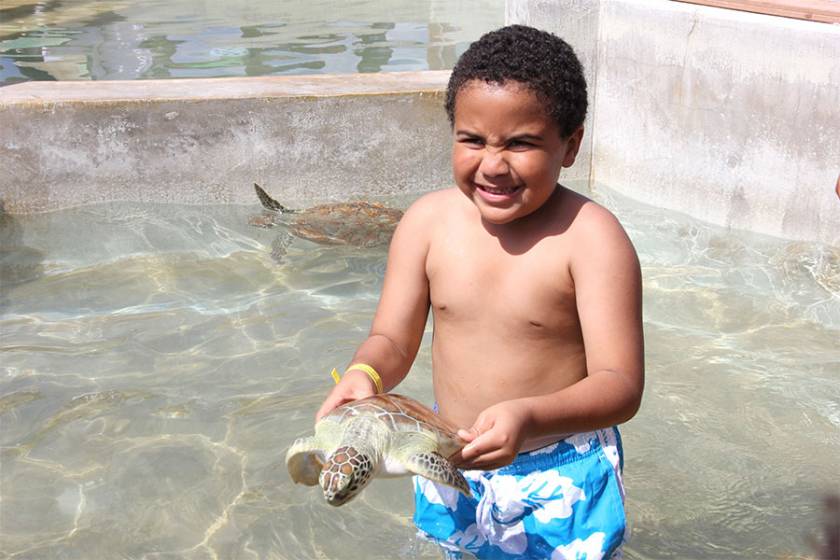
<point>539,60</point>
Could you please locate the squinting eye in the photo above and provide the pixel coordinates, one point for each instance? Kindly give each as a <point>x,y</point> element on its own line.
<point>471,141</point>
<point>520,144</point>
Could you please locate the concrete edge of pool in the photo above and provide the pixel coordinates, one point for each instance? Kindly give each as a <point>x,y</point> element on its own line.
<point>39,94</point>
<point>304,138</point>
<point>731,117</point>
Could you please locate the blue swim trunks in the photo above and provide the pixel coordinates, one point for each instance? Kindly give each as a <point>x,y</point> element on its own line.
<point>562,501</point>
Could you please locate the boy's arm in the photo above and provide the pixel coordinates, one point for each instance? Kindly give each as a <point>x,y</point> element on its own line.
<point>400,317</point>
<point>608,291</point>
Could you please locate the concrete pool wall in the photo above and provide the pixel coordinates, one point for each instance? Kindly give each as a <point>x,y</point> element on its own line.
<point>730,117</point>
<point>303,138</point>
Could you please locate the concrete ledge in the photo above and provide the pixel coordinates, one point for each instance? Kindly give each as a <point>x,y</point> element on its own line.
<point>50,93</point>
<point>826,11</point>
<point>206,141</point>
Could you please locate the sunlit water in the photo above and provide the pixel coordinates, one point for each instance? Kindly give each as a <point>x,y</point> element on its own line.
<point>125,40</point>
<point>157,362</point>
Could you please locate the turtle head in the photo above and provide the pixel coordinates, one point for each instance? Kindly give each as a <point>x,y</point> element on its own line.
<point>345,473</point>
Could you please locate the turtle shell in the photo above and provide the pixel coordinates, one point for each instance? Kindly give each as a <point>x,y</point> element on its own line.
<point>349,425</point>
<point>400,413</point>
<point>359,224</point>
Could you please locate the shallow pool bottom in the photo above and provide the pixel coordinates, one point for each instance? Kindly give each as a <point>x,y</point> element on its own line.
<point>157,362</point>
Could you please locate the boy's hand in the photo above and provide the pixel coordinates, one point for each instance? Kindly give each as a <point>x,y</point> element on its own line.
<point>495,438</point>
<point>353,386</point>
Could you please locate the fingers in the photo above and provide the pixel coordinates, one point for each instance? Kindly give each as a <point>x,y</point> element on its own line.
<point>353,386</point>
<point>329,404</point>
<point>488,450</point>
<point>482,425</point>
<point>485,458</point>
<point>494,439</point>
<point>481,446</point>
<point>468,435</point>
<point>466,453</point>
<point>479,440</point>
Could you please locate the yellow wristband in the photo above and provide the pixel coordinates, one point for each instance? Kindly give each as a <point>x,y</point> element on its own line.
<point>372,373</point>
<point>374,376</point>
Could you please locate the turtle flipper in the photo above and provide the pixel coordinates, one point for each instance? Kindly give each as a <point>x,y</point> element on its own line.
<point>304,461</point>
<point>268,202</point>
<point>279,245</point>
<point>435,467</point>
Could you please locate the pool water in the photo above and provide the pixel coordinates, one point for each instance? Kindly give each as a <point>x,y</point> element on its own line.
<point>156,362</point>
<point>122,40</point>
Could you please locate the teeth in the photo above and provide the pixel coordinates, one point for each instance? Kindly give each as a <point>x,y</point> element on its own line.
<point>498,191</point>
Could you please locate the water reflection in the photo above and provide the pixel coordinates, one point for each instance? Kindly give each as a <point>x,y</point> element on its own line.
<point>149,385</point>
<point>120,40</point>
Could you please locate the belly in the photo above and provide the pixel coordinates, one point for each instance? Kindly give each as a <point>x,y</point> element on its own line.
<point>480,370</point>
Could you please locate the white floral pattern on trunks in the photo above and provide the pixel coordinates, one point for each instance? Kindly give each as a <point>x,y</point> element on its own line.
<point>581,441</point>
<point>507,500</point>
<point>438,493</point>
<point>590,549</point>
<point>545,450</point>
<point>471,539</point>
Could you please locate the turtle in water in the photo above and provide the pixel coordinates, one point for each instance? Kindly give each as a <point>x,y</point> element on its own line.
<point>385,435</point>
<point>358,223</point>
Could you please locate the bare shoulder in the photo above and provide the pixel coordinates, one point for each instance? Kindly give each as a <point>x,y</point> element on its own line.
<point>588,214</point>
<point>429,210</point>
<point>422,220</point>
<point>597,232</point>
<point>434,203</point>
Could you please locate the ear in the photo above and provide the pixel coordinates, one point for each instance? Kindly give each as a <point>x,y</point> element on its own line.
<point>572,146</point>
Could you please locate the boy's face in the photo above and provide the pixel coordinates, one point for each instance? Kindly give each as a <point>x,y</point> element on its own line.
<point>507,153</point>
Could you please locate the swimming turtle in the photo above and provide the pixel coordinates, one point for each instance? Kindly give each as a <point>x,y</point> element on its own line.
<point>385,435</point>
<point>358,223</point>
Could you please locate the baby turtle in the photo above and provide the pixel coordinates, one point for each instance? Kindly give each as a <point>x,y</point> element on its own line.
<point>358,224</point>
<point>381,436</point>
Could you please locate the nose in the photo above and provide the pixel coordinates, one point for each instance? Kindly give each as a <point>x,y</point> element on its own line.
<point>493,164</point>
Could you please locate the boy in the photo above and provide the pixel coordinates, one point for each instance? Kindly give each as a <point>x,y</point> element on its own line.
<point>536,297</point>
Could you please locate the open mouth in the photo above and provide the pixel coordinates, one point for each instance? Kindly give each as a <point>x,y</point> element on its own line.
<point>498,191</point>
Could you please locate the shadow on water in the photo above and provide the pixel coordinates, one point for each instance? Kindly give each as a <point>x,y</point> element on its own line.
<point>18,263</point>
<point>828,547</point>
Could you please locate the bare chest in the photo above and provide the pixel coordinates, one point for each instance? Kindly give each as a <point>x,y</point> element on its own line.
<point>482,283</point>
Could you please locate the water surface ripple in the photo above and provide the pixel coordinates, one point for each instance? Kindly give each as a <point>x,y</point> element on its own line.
<point>156,362</point>
<point>161,39</point>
